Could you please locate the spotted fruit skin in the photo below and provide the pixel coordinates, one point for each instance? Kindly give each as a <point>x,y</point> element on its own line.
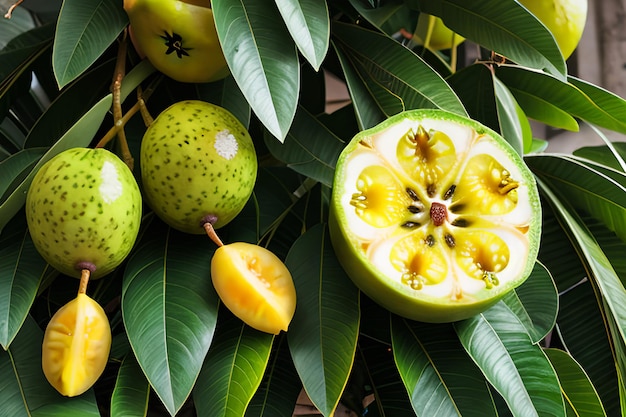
<point>178,37</point>
<point>76,346</point>
<point>255,285</point>
<point>197,160</point>
<point>434,216</point>
<point>84,207</point>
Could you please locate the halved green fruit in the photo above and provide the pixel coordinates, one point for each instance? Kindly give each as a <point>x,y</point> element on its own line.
<point>434,216</point>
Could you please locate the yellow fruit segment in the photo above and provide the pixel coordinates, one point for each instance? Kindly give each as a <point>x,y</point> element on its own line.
<point>255,285</point>
<point>76,346</point>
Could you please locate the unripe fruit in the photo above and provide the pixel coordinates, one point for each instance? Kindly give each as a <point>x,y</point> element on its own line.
<point>76,346</point>
<point>434,216</point>
<point>432,32</point>
<point>198,165</point>
<point>178,37</point>
<point>255,285</point>
<point>84,211</point>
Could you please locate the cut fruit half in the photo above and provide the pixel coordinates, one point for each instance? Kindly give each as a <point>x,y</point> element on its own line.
<point>434,216</point>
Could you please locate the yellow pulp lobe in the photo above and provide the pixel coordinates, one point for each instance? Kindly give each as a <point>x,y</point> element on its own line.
<point>76,346</point>
<point>255,285</point>
<point>486,187</point>
<point>420,261</point>
<point>482,255</point>
<point>381,201</point>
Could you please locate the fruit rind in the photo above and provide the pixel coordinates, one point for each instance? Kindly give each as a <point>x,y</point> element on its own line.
<point>391,293</point>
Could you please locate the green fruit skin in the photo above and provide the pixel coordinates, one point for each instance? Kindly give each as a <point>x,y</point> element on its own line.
<point>84,206</point>
<point>392,295</point>
<point>184,176</point>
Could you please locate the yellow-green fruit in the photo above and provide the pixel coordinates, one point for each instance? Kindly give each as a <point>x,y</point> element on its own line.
<point>564,18</point>
<point>83,209</point>
<point>434,216</point>
<point>76,346</point>
<point>433,33</point>
<point>178,37</point>
<point>198,164</point>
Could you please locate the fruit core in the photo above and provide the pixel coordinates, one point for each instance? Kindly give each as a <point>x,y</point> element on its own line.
<point>442,217</point>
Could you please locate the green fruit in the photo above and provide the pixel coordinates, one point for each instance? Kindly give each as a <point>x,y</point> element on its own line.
<point>198,164</point>
<point>564,18</point>
<point>434,34</point>
<point>84,211</point>
<point>434,216</point>
<point>178,37</point>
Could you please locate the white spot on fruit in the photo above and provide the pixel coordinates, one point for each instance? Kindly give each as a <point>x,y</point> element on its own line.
<point>111,188</point>
<point>225,144</point>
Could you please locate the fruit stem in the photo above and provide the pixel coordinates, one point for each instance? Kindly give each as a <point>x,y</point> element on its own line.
<point>210,231</point>
<point>84,280</point>
<point>9,12</point>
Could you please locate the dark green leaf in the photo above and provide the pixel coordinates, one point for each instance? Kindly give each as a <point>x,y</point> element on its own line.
<point>438,375</point>
<point>24,390</point>
<point>132,390</point>
<point>518,369</point>
<point>578,390</point>
<point>309,148</point>
<point>170,309</point>
<point>503,26</point>
<point>15,168</point>
<point>21,271</point>
<point>395,71</point>
<point>323,333</point>
<point>85,29</point>
<point>309,25</point>
<point>265,67</point>
<point>604,155</point>
<point>511,124</point>
<point>233,369</point>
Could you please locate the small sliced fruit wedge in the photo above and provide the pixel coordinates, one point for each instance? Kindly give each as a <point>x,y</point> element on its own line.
<point>255,285</point>
<point>434,216</point>
<point>76,346</point>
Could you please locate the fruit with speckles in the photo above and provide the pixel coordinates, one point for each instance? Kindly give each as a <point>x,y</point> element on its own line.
<point>434,216</point>
<point>178,37</point>
<point>255,285</point>
<point>198,165</point>
<point>76,346</point>
<point>83,209</point>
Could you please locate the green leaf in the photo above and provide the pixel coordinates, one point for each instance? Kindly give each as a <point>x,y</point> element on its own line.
<point>585,188</point>
<point>604,155</point>
<point>437,373</point>
<point>509,115</point>
<point>368,112</point>
<point>309,148</point>
<point>323,333</point>
<point>21,271</point>
<point>278,393</point>
<point>575,97</point>
<point>397,73</point>
<point>24,390</point>
<point>309,25</point>
<point>233,369</point>
<point>502,26</point>
<point>85,29</point>
<point>170,309</point>
<point>475,87</point>
<point>132,390</point>
<point>578,390</point>
<point>14,169</point>
<point>518,369</point>
<point>536,303</point>
<point>264,66</point>
<point>21,21</point>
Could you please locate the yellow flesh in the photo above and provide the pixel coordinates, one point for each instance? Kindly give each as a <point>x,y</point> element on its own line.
<point>478,237</point>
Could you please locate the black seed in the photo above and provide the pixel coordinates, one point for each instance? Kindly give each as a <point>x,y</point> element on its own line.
<point>449,193</point>
<point>461,223</point>
<point>412,194</point>
<point>450,240</point>
<point>414,209</point>
<point>410,225</point>
<point>430,240</point>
